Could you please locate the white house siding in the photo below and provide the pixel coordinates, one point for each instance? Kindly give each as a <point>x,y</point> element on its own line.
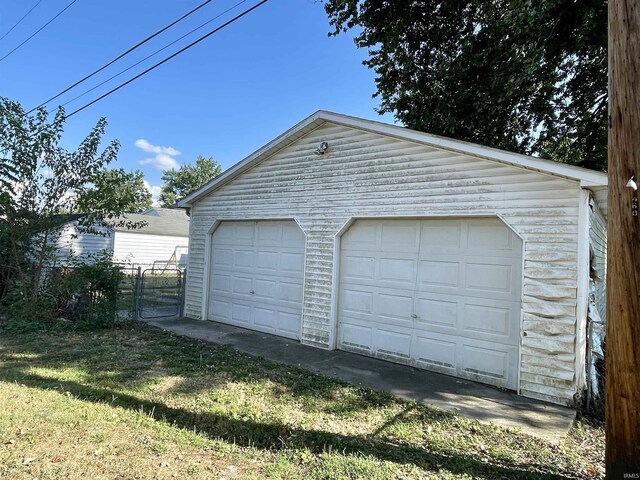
<point>144,248</point>
<point>70,243</point>
<point>598,239</point>
<point>371,175</point>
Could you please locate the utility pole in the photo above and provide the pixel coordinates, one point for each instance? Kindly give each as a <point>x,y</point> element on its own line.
<point>623,264</point>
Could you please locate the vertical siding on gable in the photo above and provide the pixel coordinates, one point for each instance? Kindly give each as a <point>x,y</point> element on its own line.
<point>370,175</point>
<point>598,238</point>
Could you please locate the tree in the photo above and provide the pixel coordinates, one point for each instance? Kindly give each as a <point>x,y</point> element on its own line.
<point>124,191</point>
<point>187,179</point>
<point>525,76</point>
<point>38,180</point>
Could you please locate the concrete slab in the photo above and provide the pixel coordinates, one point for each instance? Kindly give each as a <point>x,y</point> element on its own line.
<point>468,399</point>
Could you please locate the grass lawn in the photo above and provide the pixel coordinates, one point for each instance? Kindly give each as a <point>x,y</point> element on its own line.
<point>136,402</point>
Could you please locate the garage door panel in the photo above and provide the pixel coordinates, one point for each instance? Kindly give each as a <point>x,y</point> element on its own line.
<point>241,285</point>
<point>397,270</point>
<point>257,276</point>
<point>491,237</point>
<point>240,312</point>
<point>222,257</point>
<point>436,312</point>
<point>357,301</point>
<point>359,268</point>
<point>395,342</point>
<point>354,336</point>
<point>288,322</point>
<point>434,352</point>
<point>292,234</point>
<point>488,364</point>
<point>401,236</point>
<point>451,305</point>
<point>438,273</point>
<point>292,262</point>
<point>290,292</point>
<point>443,237</point>
<point>267,261</point>
<point>264,317</point>
<point>391,305</point>
<point>489,278</point>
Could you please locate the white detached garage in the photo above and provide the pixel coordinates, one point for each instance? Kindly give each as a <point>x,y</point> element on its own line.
<point>380,240</point>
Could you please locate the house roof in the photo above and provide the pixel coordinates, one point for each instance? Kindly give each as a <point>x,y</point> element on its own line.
<point>177,213</point>
<point>176,225</point>
<point>586,177</point>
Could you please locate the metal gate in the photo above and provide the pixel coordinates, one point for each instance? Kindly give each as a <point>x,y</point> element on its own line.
<point>159,293</point>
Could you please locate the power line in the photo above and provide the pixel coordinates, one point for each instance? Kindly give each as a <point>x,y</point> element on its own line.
<point>20,21</point>
<point>151,55</point>
<point>237,17</point>
<point>142,42</point>
<point>39,30</point>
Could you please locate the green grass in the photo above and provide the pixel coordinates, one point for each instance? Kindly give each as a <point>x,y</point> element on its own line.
<point>136,402</point>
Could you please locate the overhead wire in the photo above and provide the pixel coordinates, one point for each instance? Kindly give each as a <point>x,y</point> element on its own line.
<point>131,49</point>
<point>151,55</point>
<point>217,29</point>
<point>40,29</point>
<point>20,21</point>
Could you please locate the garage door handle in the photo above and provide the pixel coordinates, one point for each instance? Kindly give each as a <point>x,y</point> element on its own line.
<point>252,292</point>
<point>413,315</point>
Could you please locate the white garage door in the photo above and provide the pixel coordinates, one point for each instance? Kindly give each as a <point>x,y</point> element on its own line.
<point>437,294</point>
<point>257,270</point>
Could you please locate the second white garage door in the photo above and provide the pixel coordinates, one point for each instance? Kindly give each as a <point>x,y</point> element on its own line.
<point>257,271</point>
<point>440,294</point>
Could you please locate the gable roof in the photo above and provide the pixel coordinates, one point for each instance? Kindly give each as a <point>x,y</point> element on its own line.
<point>585,177</point>
<point>170,225</point>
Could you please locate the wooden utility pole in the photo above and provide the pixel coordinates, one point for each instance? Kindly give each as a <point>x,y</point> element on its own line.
<point>623,264</point>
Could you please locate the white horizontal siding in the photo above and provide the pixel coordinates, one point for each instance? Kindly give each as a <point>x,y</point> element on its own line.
<point>145,249</point>
<point>71,243</point>
<point>368,175</point>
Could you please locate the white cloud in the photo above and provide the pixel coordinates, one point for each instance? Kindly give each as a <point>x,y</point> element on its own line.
<point>161,162</point>
<point>155,192</point>
<point>164,156</point>
<point>144,145</point>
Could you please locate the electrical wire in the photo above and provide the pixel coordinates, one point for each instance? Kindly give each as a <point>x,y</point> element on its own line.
<point>39,30</point>
<point>142,42</point>
<point>20,21</point>
<point>234,19</point>
<point>151,55</point>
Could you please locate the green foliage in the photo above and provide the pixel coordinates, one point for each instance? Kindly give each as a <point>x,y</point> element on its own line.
<point>525,76</point>
<point>40,180</point>
<point>180,183</point>
<point>84,290</point>
<point>115,189</point>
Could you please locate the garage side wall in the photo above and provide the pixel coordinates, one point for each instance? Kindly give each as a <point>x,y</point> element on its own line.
<point>371,175</point>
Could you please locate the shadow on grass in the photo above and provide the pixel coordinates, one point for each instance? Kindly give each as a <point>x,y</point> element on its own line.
<point>277,436</point>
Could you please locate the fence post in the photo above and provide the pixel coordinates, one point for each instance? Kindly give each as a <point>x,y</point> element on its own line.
<point>183,285</point>
<point>137,293</point>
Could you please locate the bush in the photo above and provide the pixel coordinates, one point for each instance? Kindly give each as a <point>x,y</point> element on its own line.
<point>85,289</point>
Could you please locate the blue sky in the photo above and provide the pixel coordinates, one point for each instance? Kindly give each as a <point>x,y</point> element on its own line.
<point>224,98</point>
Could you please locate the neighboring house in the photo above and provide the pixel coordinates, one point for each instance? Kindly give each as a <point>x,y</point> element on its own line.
<point>357,235</point>
<point>164,239</point>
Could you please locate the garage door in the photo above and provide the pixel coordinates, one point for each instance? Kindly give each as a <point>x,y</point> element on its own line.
<point>437,294</point>
<point>256,276</point>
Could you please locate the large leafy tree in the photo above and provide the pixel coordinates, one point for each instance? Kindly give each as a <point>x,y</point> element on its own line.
<point>39,180</point>
<point>525,76</point>
<point>123,190</point>
<point>187,179</point>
